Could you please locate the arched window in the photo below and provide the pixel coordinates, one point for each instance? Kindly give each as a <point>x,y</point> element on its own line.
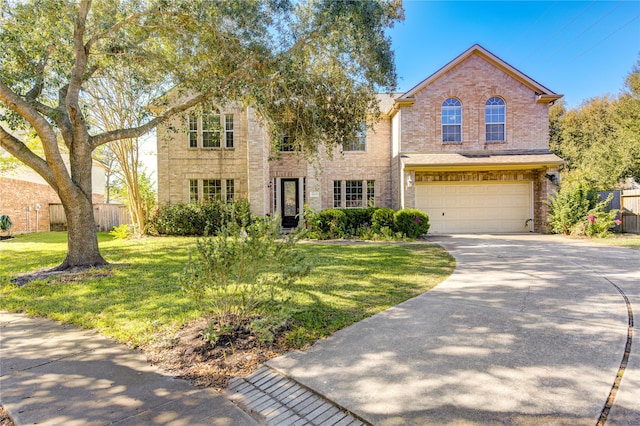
<point>451,120</point>
<point>494,117</point>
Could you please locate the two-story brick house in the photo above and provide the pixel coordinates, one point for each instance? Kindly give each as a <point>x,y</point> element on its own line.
<point>468,145</point>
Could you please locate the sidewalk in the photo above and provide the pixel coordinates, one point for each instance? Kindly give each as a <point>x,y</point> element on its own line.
<point>52,374</point>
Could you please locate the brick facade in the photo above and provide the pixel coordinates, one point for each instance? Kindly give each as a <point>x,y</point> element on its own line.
<point>410,124</point>
<point>19,198</point>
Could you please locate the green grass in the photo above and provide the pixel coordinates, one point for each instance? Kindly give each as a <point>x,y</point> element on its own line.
<point>631,241</point>
<point>138,297</point>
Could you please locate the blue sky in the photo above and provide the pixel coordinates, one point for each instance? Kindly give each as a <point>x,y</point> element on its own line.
<point>581,49</point>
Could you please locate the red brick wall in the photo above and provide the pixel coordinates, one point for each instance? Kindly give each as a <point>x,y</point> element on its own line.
<point>473,82</point>
<point>16,195</point>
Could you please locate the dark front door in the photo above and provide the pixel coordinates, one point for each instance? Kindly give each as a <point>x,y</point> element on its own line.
<point>289,201</point>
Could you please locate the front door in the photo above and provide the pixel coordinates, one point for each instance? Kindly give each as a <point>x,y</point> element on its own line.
<point>290,202</point>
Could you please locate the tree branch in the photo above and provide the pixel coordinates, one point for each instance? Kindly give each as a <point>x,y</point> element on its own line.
<point>36,90</point>
<point>42,127</point>
<point>19,150</point>
<point>135,132</point>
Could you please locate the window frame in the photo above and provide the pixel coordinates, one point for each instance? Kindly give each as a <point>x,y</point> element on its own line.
<point>194,196</point>
<point>353,194</point>
<point>211,189</point>
<point>230,189</point>
<point>359,144</point>
<point>445,112</point>
<point>489,120</point>
<point>229,142</point>
<point>337,194</point>
<point>371,193</point>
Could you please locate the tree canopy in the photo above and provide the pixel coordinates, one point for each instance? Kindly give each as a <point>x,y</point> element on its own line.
<point>600,140</point>
<point>310,68</point>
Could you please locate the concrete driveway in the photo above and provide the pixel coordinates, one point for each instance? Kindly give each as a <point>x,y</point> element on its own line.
<point>530,329</point>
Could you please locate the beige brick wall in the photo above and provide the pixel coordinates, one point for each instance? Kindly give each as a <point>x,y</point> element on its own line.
<point>177,163</point>
<point>473,82</point>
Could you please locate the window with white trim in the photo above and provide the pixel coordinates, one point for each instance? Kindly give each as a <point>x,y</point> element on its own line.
<point>359,143</point>
<point>337,193</point>
<point>193,130</point>
<point>208,128</point>
<point>494,116</point>
<point>211,129</point>
<point>193,190</point>
<point>451,120</point>
<point>371,193</point>
<point>211,189</point>
<point>353,194</point>
<point>228,130</point>
<point>231,189</point>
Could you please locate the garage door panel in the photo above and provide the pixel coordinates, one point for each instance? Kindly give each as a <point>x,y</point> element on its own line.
<point>452,208</point>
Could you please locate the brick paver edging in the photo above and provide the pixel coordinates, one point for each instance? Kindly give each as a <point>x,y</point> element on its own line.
<point>274,399</point>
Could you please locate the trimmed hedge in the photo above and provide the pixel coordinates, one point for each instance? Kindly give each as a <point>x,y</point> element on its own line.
<point>383,218</point>
<point>331,222</point>
<point>411,223</point>
<point>199,218</point>
<point>358,218</point>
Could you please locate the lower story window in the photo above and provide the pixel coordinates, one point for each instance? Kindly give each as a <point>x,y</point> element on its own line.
<point>371,193</point>
<point>353,194</point>
<point>193,190</point>
<point>231,190</point>
<point>337,193</point>
<point>211,189</point>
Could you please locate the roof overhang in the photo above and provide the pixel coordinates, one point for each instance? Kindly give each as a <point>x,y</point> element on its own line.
<point>450,162</point>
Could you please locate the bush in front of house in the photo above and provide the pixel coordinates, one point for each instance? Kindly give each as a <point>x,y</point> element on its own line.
<point>368,224</point>
<point>411,223</point>
<point>199,218</point>
<point>358,220</point>
<point>383,219</point>
<point>330,223</point>
<point>575,210</point>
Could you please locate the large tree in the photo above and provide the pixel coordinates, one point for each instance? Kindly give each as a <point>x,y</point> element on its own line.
<point>600,139</point>
<point>310,68</point>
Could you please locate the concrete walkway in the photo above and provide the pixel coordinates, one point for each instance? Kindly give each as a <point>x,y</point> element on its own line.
<point>52,374</point>
<point>529,330</point>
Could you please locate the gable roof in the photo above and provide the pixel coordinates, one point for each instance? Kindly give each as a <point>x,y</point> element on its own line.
<point>544,95</point>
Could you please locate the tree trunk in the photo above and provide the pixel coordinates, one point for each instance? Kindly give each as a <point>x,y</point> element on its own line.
<point>82,236</point>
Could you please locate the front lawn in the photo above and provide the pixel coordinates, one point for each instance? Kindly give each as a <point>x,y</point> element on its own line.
<point>137,297</point>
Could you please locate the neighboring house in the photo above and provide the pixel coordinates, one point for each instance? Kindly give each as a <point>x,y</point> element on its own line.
<point>25,196</point>
<point>468,145</point>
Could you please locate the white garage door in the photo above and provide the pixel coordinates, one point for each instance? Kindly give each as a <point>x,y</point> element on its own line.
<point>458,208</point>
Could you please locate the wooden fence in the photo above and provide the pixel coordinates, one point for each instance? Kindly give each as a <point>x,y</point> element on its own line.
<point>106,215</point>
<point>630,211</point>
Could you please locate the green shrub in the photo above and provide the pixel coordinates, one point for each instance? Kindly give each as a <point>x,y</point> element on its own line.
<point>331,223</point>
<point>358,219</point>
<point>239,269</point>
<point>199,218</point>
<point>598,221</point>
<point>411,223</point>
<point>569,207</point>
<point>382,218</point>
<point>121,232</point>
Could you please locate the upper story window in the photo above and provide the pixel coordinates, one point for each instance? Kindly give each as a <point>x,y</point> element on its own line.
<point>451,120</point>
<point>494,117</point>
<point>286,144</point>
<point>193,130</point>
<point>359,143</point>
<point>228,130</point>
<point>206,128</point>
<point>211,129</point>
